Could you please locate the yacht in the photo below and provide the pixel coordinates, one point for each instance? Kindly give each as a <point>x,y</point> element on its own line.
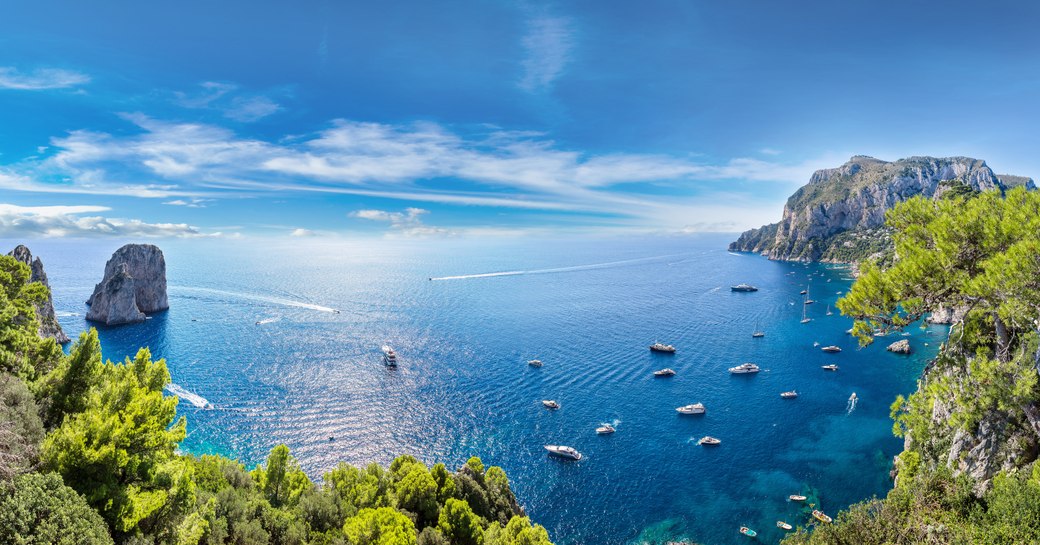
<point>550,404</point>
<point>535,363</point>
<point>605,429</point>
<point>708,440</point>
<point>789,395</point>
<point>757,333</point>
<point>805,319</point>
<point>696,408</point>
<point>389,356</point>
<point>748,531</point>
<point>563,452</point>
<point>830,367</point>
<point>661,347</point>
<point>820,516</point>
<point>664,373</point>
<point>743,287</point>
<point>783,525</point>
<point>831,349</point>
<point>744,368</point>
<point>796,497</point>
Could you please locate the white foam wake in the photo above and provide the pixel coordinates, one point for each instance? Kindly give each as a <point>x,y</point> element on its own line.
<point>261,298</point>
<point>554,270</point>
<point>185,395</point>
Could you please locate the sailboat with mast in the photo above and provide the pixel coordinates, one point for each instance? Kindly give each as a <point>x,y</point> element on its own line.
<point>805,318</point>
<point>758,333</point>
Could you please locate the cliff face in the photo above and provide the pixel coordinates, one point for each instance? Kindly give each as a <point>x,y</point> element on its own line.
<point>49,326</point>
<point>134,283</point>
<point>839,215</point>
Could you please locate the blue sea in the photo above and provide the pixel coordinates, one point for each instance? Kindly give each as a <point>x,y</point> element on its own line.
<point>283,339</point>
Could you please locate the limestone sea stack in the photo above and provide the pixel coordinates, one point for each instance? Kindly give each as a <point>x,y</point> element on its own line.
<point>49,326</point>
<point>900,347</point>
<point>134,284</point>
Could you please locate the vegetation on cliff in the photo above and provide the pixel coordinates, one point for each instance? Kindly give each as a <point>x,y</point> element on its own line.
<point>88,455</point>
<point>968,473</point>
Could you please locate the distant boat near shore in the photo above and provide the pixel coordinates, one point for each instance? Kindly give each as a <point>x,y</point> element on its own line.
<point>743,288</point>
<point>661,347</point>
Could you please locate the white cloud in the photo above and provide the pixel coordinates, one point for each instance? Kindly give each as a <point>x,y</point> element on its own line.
<point>769,151</point>
<point>249,109</point>
<point>226,99</point>
<point>40,79</point>
<point>300,232</point>
<point>70,221</point>
<point>547,45</point>
<point>407,223</point>
<point>189,203</point>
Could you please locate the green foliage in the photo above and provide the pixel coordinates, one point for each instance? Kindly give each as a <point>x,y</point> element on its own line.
<point>37,509</point>
<point>382,526</point>
<point>22,351</point>
<point>20,428</point>
<point>519,531</point>
<point>65,389</point>
<point>119,452</point>
<point>281,479</point>
<point>460,524</point>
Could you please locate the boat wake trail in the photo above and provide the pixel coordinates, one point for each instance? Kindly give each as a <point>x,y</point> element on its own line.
<point>554,270</point>
<point>268,320</point>
<point>852,404</point>
<point>185,395</point>
<point>260,298</point>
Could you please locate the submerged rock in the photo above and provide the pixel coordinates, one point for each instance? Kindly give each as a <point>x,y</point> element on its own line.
<point>49,326</point>
<point>134,283</point>
<point>900,347</point>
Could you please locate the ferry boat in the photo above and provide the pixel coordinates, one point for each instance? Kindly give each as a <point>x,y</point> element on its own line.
<point>664,372</point>
<point>696,408</point>
<point>789,395</point>
<point>550,404</point>
<point>748,531</point>
<point>743,287</point>
<point>708,440</point>
<point>661,347</point>
<point>784,526</point>
<point>820,516</point>
<point>605,429</point>
<point>389,356</point>
<point>535,363</point>
<point>830,367</point>
<point>563,452</point>
<point>831,349</point>
<point>744,368</point>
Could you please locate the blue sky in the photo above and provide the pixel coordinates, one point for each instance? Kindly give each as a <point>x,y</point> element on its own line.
<point>486,118</point>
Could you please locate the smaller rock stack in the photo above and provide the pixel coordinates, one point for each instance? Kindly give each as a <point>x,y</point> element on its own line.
<point>49,326</point>
<point>134,284</point>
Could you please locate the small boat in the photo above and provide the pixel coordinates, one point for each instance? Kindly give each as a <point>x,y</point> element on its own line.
<point>661,347</point>
<point>803,292</point>
<point>389,356</point>
<point>696,408</point>
<point>535,363</point>
<point>744,368</point>
<point>605,429</point>
<point>784,526</point>
<point>830,367</point>
<point>664,372</point>
<point>743,287</point>
<point>820,516</point>
<point>831,349</point>
<point>829,313</point>
<point>748,531</point>
<point>789,395</point>
<point>796,497</point>
<point>708,440</point>
<point>805,319</point>
<point>809,301</point>
<point>757,333</point>
<point>853,397</point>
<point>563,452</point>
<point>550,404</point>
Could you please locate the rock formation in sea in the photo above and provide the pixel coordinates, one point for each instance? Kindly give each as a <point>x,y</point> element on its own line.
<point>900,347</point>
<point>49,326</point>
<point>839,215</point>
<point>134,284</point>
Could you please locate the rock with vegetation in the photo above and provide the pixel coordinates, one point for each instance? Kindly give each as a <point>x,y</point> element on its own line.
<point>839,216</point>
<point>134,284</point>
<point>49,326</point>
<point>900,347</point>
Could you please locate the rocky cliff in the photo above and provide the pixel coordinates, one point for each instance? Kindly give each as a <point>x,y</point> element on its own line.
<point>134,283</point>
<point>49,326</point>
<point>839,215</point>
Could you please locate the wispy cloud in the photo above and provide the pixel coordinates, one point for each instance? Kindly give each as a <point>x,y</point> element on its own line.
<point>189,203</point>
<point>407,223</point>
<point>547,47</point>
<point>40,79</point>
<point>769,151</point>
<point>72,221</point>
<point>229,101</point>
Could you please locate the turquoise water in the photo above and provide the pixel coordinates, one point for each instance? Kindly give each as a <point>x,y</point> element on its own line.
<point>588,309</point>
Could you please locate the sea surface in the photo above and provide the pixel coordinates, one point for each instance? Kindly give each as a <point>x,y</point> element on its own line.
<point>283,340</point>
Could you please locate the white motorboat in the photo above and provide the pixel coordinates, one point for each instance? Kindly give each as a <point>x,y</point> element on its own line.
<point>830,367</point>
<point>664,372</point>
<point>534,363</point>
<point>563,452</point>
<point>389,356</point>
<point>550,404</point>
<point>744,368</point>
<point>831,349</point>
<point>661,347</point>
<point>605,429</point>
<point>696,408</point>
<point>789,395</point>
<point>708,440</point>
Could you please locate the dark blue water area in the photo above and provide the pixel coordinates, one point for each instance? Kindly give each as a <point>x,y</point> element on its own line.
<point>311,370</point>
